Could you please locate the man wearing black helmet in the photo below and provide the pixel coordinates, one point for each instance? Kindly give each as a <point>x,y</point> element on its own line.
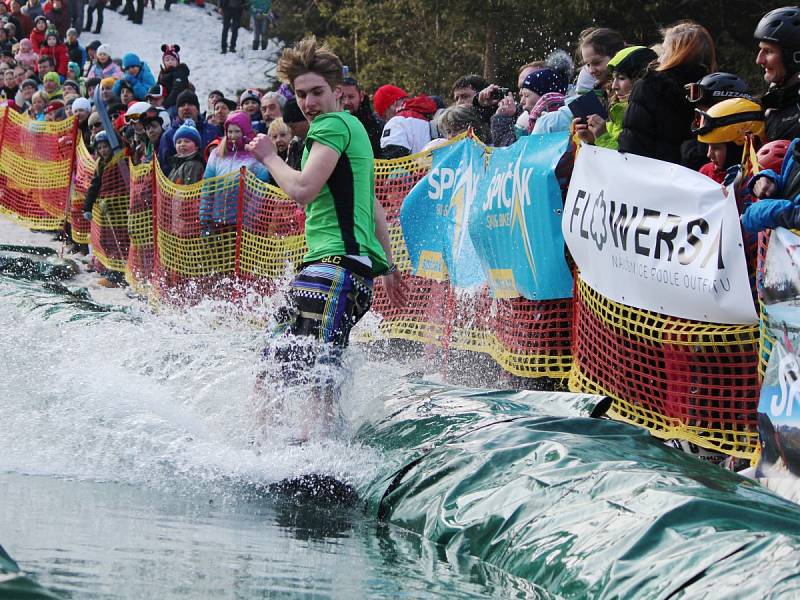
<point>778,36</point>
<point>710,90</point>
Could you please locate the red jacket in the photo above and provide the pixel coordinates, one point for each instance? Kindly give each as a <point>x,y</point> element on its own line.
<point>60,55</point>
<point>37,39</point>
<point>710,170</point>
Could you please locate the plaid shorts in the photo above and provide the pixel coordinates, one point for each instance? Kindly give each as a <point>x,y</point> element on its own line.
<point>325,301</point>
<point>328,300</point>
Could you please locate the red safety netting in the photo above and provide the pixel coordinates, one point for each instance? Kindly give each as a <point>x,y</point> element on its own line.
<point>81,180</point>
<point>272,240</point>
<point>109,229</point>
<point>679,378</point>
<point>222,233</point>
<point>35,169</point>
<point>141,268</point>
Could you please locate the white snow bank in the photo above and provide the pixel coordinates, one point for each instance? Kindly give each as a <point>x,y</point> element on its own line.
<point>198,32</point>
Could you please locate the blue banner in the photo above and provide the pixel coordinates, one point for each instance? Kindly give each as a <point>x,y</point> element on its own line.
<point>434,216</point>
<point>515,223</point>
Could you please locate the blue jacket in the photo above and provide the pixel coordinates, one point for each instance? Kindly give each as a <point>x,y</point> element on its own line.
<point>783,209</point>
<point>782,178</point>
<point>166,148</point>
<point>140,83</point>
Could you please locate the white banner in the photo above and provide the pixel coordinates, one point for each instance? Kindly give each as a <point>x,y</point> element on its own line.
<point>657,236</point>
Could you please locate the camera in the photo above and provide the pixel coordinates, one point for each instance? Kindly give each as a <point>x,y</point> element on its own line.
<point>499,93</point>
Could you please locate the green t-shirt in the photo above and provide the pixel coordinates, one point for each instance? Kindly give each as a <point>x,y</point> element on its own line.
<point>341,219</point>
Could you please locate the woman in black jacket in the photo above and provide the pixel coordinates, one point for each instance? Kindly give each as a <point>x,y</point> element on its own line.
<point>659,117</point>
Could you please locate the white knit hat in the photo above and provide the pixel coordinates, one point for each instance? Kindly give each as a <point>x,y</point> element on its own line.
<point>104,49</point>
<point>81,104</point>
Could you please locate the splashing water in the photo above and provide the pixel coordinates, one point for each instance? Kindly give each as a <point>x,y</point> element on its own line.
<point>163,400</point>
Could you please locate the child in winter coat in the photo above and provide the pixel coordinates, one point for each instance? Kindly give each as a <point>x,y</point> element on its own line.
<point>187,164</point>
<point>57,50</point>
<point>103,158</point>
<point>174,75</point>
<point>38,33</point>
<point>250,104</point>
<point>154,123</point>
<point>26,56</point>
<point>39,102</point>
<point>626,67</point>
<point>103,66</point>
<point>137,75</point>
<point>218,208</point>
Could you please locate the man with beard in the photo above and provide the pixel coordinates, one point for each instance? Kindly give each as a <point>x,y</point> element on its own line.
<point>188,108</point>
<point>357,103</point>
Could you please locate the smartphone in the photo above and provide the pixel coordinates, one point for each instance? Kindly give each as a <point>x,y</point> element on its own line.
<point>586,105</point>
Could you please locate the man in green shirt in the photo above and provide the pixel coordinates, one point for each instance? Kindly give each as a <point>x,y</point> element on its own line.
<point>346,233</point>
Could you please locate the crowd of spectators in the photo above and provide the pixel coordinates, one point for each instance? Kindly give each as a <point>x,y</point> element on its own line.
<point>667,101</point>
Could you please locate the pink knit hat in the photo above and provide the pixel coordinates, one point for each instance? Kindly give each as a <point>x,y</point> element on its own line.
<point>242,119</point>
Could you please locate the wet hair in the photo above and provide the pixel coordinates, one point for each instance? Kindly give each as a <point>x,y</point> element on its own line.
<point>690,43</point>
<point>476,82</point>
<point>307,56</point>
<point>457,119</point>
<point>604,41</point>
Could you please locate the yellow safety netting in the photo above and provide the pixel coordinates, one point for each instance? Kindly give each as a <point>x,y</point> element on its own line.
<point>679,378</point>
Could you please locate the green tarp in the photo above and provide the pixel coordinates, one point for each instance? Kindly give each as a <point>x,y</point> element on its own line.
<point>584,507</point>
<point>36,263</point>
<point>14,585</point>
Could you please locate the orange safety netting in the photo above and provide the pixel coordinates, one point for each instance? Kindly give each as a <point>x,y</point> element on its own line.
<point>679,378</point>
<point>35,169</point>
<point>272,227</point>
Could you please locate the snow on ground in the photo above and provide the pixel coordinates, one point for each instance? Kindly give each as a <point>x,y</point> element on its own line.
<point>198,31</point>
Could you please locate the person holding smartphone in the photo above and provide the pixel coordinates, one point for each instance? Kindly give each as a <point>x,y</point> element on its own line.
<point>626,67</point>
